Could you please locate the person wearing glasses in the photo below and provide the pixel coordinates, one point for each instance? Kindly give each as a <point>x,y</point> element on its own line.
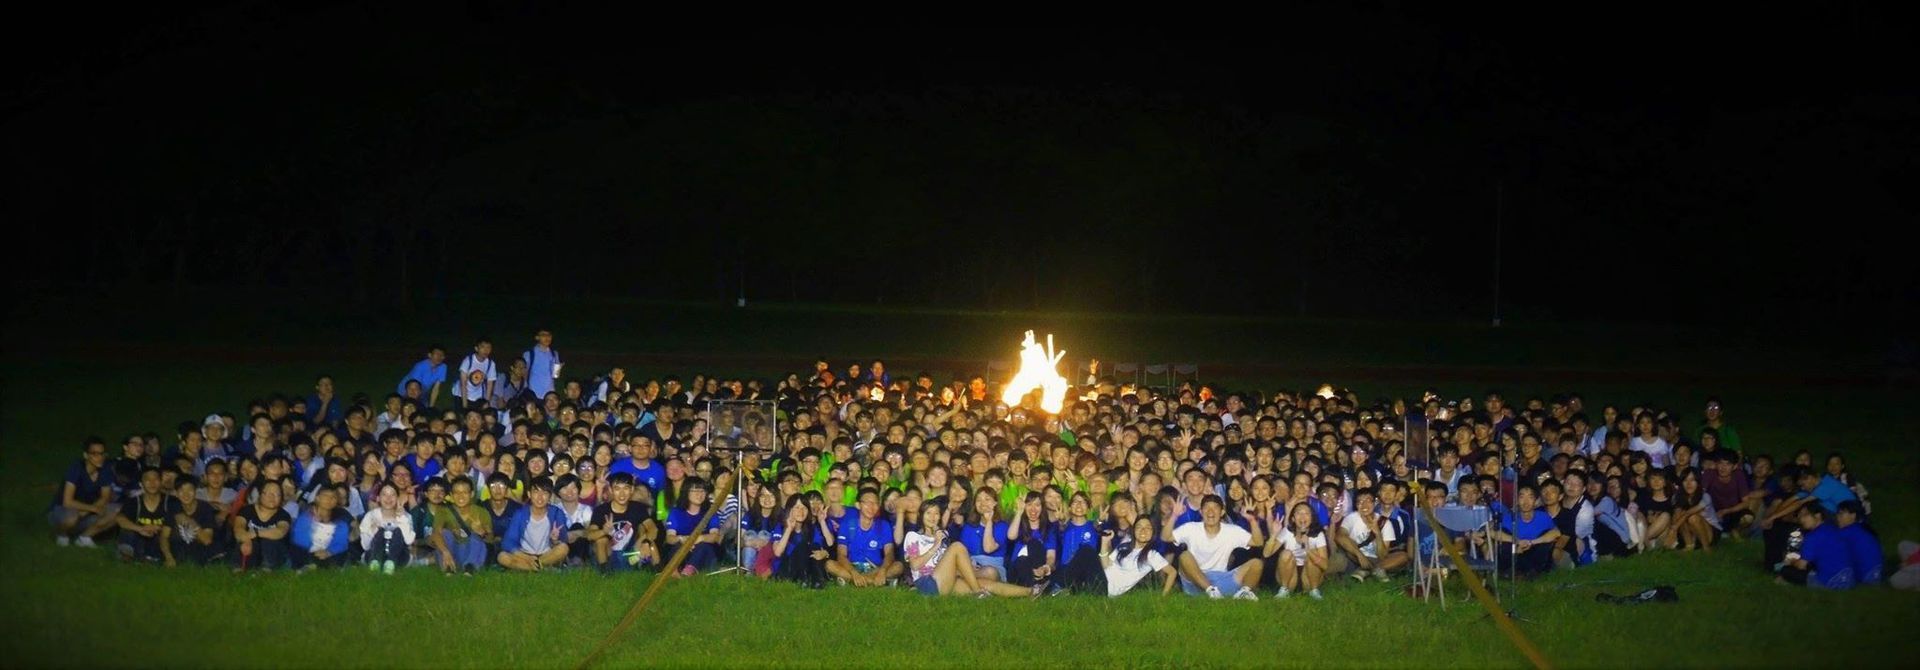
<point>83,506</point>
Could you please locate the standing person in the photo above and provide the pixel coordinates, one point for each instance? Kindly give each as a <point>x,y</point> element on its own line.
<point>1717,420</point>
<point>83,504</point>
<point>534,537</point>
<point>1210,549</point>
<point>1304,567</point>
<point>260,530</point>
<point>386,532</point>
<point>323,533</point>
<point>430,373</point>
<point>543,364</point>
<point>477,375</point>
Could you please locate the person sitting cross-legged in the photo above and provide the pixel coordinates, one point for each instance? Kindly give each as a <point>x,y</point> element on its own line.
<point>1207,562</point>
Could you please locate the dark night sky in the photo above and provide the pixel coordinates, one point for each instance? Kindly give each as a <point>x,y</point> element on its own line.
<point>1655,167</point>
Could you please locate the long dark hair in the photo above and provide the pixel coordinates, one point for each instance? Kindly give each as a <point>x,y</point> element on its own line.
<point>1027,532</point>
<point>1313,520</point>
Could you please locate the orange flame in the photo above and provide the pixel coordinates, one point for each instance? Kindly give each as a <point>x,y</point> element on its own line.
<point>1037,371</point>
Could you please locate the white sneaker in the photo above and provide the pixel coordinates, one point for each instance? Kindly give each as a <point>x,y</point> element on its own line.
<point>1245,594</point>
<point>1381,575</point>
<point>373,566</point>
<point>1214,593</point>
<point>83,541</point>
<point>1282,593</point>
<point>387,567</point>
<point>1314,594</point>
<point>62,540</point>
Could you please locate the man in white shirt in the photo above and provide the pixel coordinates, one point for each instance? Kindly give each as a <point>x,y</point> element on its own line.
<point>478,366</point>
<point>1208,559</point>
<point>1362,535</point>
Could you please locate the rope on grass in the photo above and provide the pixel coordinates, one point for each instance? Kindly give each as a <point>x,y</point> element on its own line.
<point>1479,589</point>
<point>666,573</point>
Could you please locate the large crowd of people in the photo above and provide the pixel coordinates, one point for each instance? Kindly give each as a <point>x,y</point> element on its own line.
<point>858,477</point>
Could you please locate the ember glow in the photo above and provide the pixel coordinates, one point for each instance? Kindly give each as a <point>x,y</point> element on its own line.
<point>1037,370</point>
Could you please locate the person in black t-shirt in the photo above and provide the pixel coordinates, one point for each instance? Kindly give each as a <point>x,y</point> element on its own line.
<point>260,530</point>
<point>194,523</point>
<point>146,521</point>
<point>622,530</point>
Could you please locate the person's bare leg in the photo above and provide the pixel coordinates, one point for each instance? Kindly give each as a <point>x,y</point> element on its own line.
<point>1393,561</point>
<point>1656,534</point>
<point>513,560</point>
<point>1191,570</point>
<point>1313,577</point>
<point>1249,575</point>
<point>945,576</point>
<point>962,566</point>
<point>554,556</point>
<point>1005,590</point>
<point>1289,574</point>
<point>601,548</point>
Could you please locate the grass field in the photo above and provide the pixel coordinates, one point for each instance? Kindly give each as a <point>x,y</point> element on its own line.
<point>74,608</point>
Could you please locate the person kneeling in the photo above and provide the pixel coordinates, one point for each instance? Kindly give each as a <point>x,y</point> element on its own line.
<point>533,538</point>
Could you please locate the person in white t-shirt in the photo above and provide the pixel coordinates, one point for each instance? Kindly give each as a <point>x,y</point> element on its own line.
<point>1208,559</point>
<point>1130,563</point>
<point>1363,535</point>
<point>939,565</point>
<point>1649,442</point>
<point>477,374</point>
<point>1305,565</point>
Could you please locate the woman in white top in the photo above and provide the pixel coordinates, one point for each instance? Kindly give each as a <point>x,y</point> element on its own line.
<point>938,564</point>
<point>1306,544</point>
<point>1650,443</point>
<point>386,532</point>
<point>1128,561</point>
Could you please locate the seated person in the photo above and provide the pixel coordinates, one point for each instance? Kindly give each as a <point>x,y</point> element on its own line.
<point>1210,551</point>
<point>323,533</point>
<point>1823,561</point>
<point>1527,535</point>
<point>82,506</point>
<point>194,524</point>
<point>864,549</point>
<point>146,521</point>
<point>535,534</point>
<point>1862,546</point>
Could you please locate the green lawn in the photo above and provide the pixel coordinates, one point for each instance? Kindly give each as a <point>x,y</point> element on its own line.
<point>70,607</point>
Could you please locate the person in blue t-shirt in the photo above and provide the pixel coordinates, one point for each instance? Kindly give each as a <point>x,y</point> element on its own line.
<point>430,373</point>
<point>864,555</point>
<point>981,535</point>
<point>801,545</point>
<point>1823,561</point>
<point>641,466</point>
<point>1863,549</point>
<point>82,505</point>
<point>1080,566</point>
<point>1527,535</point>
<point>683,526</point>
